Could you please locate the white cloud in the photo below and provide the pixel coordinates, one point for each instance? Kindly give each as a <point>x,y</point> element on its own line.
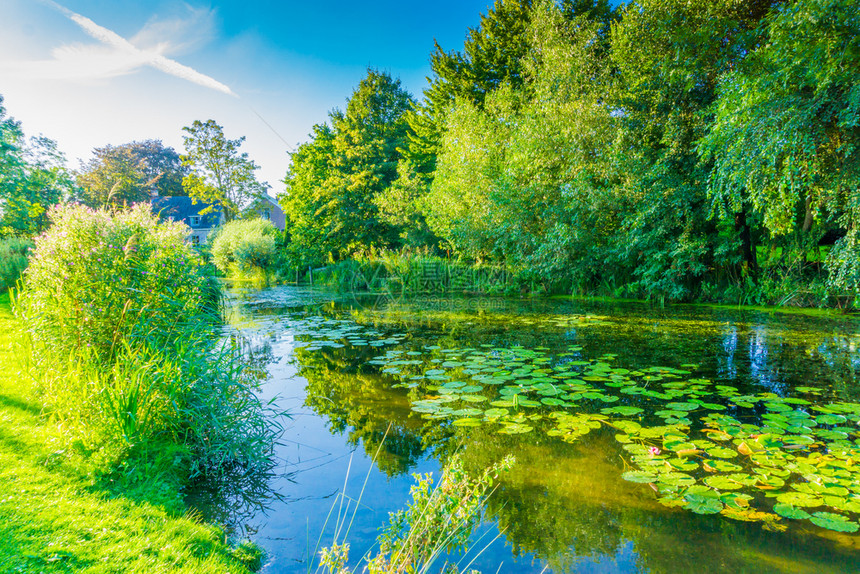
<point>116,56</point>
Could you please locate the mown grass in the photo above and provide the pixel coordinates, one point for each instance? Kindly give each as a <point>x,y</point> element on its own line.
<point>55,518</point>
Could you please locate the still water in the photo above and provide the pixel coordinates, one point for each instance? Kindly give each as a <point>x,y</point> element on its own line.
<point>685,439</point>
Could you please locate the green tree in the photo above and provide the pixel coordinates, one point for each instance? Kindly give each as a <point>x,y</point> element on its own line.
<point>337,181</point>
<point>787,131</point>
<point>669,55</point>
<point>219,172</point>
<point>521,181</point>
<point>129,173</point>
<point>33,177</point>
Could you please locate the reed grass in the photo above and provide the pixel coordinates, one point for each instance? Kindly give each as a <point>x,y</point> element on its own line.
<point>439,520</point>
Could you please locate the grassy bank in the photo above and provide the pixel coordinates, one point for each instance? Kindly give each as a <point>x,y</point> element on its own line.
<point>54,518</point>
<point>416,274</point>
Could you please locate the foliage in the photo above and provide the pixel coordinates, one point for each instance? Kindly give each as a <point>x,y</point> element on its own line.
<point>664,149</point>
<point>53,518</point>
<point>335,184</point>
<point>219,172</point>
<point>245,245</point>
<point>33,177</point>
<point>120,317</point>
<point>130,173</point>
<point>99,278</point>
<point>14,255</point>
<point>786,131</point>
<point>438,519</point>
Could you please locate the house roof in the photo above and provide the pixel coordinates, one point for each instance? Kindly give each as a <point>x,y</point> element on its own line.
<point>180,208</point>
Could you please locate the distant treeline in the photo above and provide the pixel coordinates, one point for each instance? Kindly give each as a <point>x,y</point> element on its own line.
<point>663,148</point>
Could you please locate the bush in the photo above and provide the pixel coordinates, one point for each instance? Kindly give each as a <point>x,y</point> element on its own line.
<point>13,260</point>
<point>121,320</point>
<point>98,278</point>
<point>245,247</point>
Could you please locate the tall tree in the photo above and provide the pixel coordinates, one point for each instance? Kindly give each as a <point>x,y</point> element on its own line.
<point>220,174</point>
<point>670,55</point>
<point>129,173</point>
<point>521,180</point>
<point>786,137</point>
<point>336,181</point>
<point>33,177</point>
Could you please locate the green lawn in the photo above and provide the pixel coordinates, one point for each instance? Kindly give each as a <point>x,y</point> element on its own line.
<point>52,519</point>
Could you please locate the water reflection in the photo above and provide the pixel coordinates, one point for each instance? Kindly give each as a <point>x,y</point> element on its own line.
<point>562,505</point>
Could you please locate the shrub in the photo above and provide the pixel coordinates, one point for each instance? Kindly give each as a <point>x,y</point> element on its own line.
<point>13,260</point>
<point>121,319</point>
<point>98,278</point>
<point>246,246</point>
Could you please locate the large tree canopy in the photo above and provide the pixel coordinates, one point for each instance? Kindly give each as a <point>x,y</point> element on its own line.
<point>130,173</point>
<point>664,148</point>
<point>336,181</point>
<point>219,173</point>
<point>33,177</point>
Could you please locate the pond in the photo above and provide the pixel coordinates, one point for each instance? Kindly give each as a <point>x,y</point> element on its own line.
<point>684,439</point>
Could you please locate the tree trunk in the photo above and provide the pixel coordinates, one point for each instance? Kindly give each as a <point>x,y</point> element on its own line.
<point>743,227</point>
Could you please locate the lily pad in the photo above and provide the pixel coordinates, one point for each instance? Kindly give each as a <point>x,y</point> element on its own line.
<point>832,521</point>
<point>789,511</point>
<point>639,476</point>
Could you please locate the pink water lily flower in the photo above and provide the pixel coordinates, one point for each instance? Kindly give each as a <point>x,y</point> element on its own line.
<point>654,451</point>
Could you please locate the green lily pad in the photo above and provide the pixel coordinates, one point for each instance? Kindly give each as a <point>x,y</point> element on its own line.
<point>789,511</point>
<point>833,521</point>
<point>683,406</point>
<point>722,452</point>
<point>622,410</point>
<point>702,505</point>
<point>639,476</point>
<point>799,499</point>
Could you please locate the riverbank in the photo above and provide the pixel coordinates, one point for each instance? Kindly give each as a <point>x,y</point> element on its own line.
<point>55,518</point>
<point>404,274</point>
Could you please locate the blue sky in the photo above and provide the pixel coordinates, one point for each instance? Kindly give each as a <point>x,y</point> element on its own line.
<point>92,72</point>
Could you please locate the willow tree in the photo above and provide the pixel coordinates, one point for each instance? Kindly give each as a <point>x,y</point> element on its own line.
<point>787,131</point>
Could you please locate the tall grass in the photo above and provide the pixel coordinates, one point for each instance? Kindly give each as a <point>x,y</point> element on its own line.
<point>439,520</point>
<point>13,260</point>
<point>121,326</point>
<point>414,273</point>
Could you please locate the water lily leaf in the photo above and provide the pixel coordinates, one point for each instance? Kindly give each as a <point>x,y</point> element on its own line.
<point>722,483</point>
<point>724,466</point>
<point>789,511</point>
<point>833,521</point>
<point>830,419</point>
<point>622,410</point>
<point>515,428</point>
<point>466,422</point>
<point>722,452</point>
<point>683,464</point>
<point>639,476</point>
<point>683,406</point>
<point>702,505</point>
<point>677,479</point>
<point>799,499</point>
<point>553,402</point>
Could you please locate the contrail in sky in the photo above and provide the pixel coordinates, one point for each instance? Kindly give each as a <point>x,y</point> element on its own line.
<point>151,58</point>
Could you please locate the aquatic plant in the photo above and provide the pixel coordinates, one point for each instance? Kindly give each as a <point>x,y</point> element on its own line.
<point>706,447</point>
<point>440,519</point>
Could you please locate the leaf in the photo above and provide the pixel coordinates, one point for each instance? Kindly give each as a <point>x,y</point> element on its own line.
<point>799,499</point>
<point>833,521</point>
<point>639,476</point>
<point>789,511</point>
<point>702,505</point>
